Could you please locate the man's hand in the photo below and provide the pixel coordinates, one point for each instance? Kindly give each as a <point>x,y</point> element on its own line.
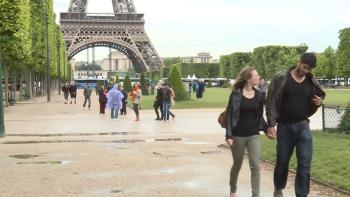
<point>229,142</point>
<point>271,133</point>
<point>317,100</point>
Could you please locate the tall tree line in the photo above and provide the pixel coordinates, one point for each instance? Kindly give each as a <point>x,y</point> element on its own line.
<point>270,59</point>
<point>23,39</point>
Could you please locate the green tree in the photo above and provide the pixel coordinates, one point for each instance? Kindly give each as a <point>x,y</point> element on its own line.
<point>171,60</point>
<point>176,83</point>
<point>144,84</point>
<point>117,79</point>
<point>326,64</point>
<point>127,84</point>
<point>343,53</point>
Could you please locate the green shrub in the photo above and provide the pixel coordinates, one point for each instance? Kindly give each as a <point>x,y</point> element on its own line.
<point>127,83</point>
<point>177,85</point>
<point>144,85</point>
<point>345,122</point>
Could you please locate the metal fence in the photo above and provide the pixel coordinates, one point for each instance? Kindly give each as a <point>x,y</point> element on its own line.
<point>332,116</point>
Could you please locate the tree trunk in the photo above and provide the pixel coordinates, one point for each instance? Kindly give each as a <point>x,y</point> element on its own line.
<point>30,83</point>
<point>6,77</point>
<point>14,84</point>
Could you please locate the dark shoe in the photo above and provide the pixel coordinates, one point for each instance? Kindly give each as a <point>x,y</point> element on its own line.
<point>157,119</point>
<point>277,193</point>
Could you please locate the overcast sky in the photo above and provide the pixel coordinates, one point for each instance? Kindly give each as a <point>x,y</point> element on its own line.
<point>186,27</point>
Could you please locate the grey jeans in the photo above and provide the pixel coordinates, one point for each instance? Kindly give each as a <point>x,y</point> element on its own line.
<point>238,148</point>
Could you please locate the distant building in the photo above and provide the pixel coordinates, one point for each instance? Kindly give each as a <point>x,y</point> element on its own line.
<point>117,62</point>
<point>200,58</point>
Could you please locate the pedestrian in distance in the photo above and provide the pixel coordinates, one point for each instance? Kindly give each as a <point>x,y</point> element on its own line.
<point>136,95</point>
<point>102,99</point>
<point>244,120</point>
<point>293,96</point>
<point>158,103</point>
<point>167,96</point>
<point>65,90</point>
<point>87,96</point>
<point>114,101</point>
<point>124,100</point>
<point>73,93</point>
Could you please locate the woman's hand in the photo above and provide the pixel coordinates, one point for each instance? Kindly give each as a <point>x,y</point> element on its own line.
<point>229,142</point>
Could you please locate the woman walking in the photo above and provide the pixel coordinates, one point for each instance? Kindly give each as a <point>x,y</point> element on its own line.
<point>244,121</point>
<point>135,95</point>
<point>102,99</point>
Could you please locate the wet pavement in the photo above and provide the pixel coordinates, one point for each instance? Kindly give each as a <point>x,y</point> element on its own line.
<point>64,150</point>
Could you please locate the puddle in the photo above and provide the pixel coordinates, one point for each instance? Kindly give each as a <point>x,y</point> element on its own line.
<point>88,141</point>
<point>71,134</point>
<point>72,141</point>
<point>196,143</point>
<point>25,156</point>
<point>168,139</point>
<point>45,162</point>
<point>116,191</point>
<point>164,155</point>
<point>224,146</point>
<point>210,152</point>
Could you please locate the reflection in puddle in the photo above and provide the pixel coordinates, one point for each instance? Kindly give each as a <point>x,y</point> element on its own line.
<point>116,191</point>
<point>168,171</point>
<point>25,156</point>
<point>209,152</point>
<point>46,162</point>
<point>224,146</point>
<point>165,155</point>
<point>87,141</point>
<point>71,134</point>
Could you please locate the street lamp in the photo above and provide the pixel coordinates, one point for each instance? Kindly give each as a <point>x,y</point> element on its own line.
<point>48,53</point>
<point>2,123</point>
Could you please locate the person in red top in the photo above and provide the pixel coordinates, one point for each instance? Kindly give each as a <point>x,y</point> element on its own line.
<point>135,95</point>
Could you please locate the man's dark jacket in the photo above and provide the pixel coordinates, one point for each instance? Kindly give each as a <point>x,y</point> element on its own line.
<point>275,95</point>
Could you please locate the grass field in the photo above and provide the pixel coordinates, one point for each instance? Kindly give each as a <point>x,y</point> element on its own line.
<point>331,158</point>
<point>218,97</point>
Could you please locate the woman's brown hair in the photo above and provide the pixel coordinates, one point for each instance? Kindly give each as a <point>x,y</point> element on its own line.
<point>244,75</point>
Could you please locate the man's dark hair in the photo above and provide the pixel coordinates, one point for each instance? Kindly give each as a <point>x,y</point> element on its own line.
<point>309,59</point>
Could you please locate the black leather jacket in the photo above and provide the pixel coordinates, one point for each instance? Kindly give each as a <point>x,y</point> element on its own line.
<point>275,95</point>
<point>233,109</point>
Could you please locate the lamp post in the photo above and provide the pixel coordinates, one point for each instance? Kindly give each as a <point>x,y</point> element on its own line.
<point>48,53</point>
<point>2,123</point>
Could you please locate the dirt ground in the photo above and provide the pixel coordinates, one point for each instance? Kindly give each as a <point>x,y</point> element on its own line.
<point>55,149</point>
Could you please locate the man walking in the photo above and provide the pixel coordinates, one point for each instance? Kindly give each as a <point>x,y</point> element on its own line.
<point>87,96</point>
<point>293,96</point>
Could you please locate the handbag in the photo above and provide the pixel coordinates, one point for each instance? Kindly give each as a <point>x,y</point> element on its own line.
<point>222,119</point>
<point>222,116</point>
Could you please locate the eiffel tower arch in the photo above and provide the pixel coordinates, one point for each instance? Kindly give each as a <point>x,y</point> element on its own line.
<point>122,30</point>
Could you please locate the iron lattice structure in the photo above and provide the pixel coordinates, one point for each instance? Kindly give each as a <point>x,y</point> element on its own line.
<point>122,30</point>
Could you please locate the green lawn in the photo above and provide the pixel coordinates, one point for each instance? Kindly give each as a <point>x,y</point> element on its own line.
<point>331,158</point>
<point>218,97</point>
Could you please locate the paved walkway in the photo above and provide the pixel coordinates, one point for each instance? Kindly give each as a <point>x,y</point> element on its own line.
<point>53,149</point>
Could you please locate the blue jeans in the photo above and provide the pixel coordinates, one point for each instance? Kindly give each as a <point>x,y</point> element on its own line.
<point>114,112</point>
<point>289,136</point>
<point>166,107</point>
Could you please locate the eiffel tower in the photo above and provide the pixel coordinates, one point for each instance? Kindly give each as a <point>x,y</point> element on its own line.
<point>122,30</point>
